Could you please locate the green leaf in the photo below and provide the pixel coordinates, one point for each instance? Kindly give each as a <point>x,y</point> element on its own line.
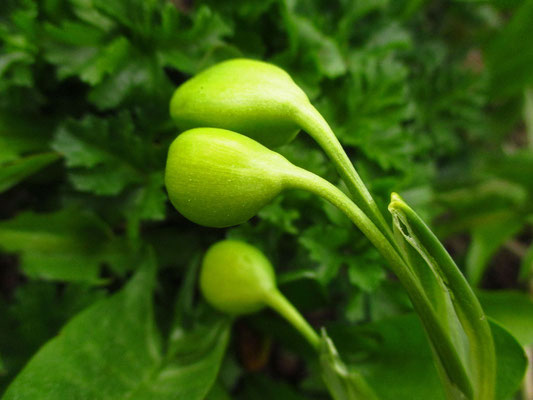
<point>395,358</point>
<point>526,267</point>
<point>319,49</point>
<point>34,315</point>
<point>377,86</point>
<point>191,50</point>
<point>139,76</point>
<point>323,244</point>
<point>466,319</point>
<point>218,392</point>
<point>112,351</point>
<point>111,64</point>
<point>509,57</point>
<point>20,135</point>
<point>192,367</point>
<point>343,384</point>
<point>19,45</point>
<point>511,362</point>
<point>69,244</point>
<point>513,310</point>
<point>17,171</point>
<point>105,156</point>
<point>366,271</point>
<point>278,215</point>
<point>75,48</point>
<point>486,240</point>
<point>393,355</point>
<point>147,202</point>
<point>136,15</point>
<point>257,387</point>
<point>105,351</point>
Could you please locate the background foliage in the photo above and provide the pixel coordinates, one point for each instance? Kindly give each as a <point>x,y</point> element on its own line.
<point>430,99</point>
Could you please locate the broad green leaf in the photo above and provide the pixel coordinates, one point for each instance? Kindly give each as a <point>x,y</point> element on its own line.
<point>105,351</point>
<point>513,310</point>
<point>69,244</point>
<point>190,369</point>
<point>486,240</point>
<point>395,358</point>
<point>35,314</point>
<point>511,362</point>
<point>112,351</point>
<point>18,170</point>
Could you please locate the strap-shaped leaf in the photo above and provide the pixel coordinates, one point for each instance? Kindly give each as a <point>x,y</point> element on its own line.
<point>467,307</point>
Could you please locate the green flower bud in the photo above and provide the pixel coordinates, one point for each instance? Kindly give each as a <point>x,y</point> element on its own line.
<point>261,101</point>
<point>236,278</point>
<point>250,97</point>
<point>219,178</point>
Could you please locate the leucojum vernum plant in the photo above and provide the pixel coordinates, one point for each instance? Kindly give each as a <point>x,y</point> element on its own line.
<point>222,170</point>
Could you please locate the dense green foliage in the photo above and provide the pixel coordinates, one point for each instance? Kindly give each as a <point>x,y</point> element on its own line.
<point>433,100</point>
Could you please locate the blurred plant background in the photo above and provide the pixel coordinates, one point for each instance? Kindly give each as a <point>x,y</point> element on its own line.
<point>432,99</point>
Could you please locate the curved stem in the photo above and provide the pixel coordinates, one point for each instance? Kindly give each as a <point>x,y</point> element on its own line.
<point>279,303</point>
<point>316,126</point>
<point>441,342</point>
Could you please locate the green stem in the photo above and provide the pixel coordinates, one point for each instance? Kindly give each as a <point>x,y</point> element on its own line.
<point>300,178</point>
<point>466,303</point>
<point>279,303</point>
<point>316,126</point>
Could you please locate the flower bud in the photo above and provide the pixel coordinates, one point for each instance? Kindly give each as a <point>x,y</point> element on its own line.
<point>236,278</point>
<point>219,178</point>
<point>251,97</point>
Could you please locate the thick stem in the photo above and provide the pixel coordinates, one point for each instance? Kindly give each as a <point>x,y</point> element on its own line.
<point>279,303</point>
<point>300,178</point>
<point>316,126</point>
